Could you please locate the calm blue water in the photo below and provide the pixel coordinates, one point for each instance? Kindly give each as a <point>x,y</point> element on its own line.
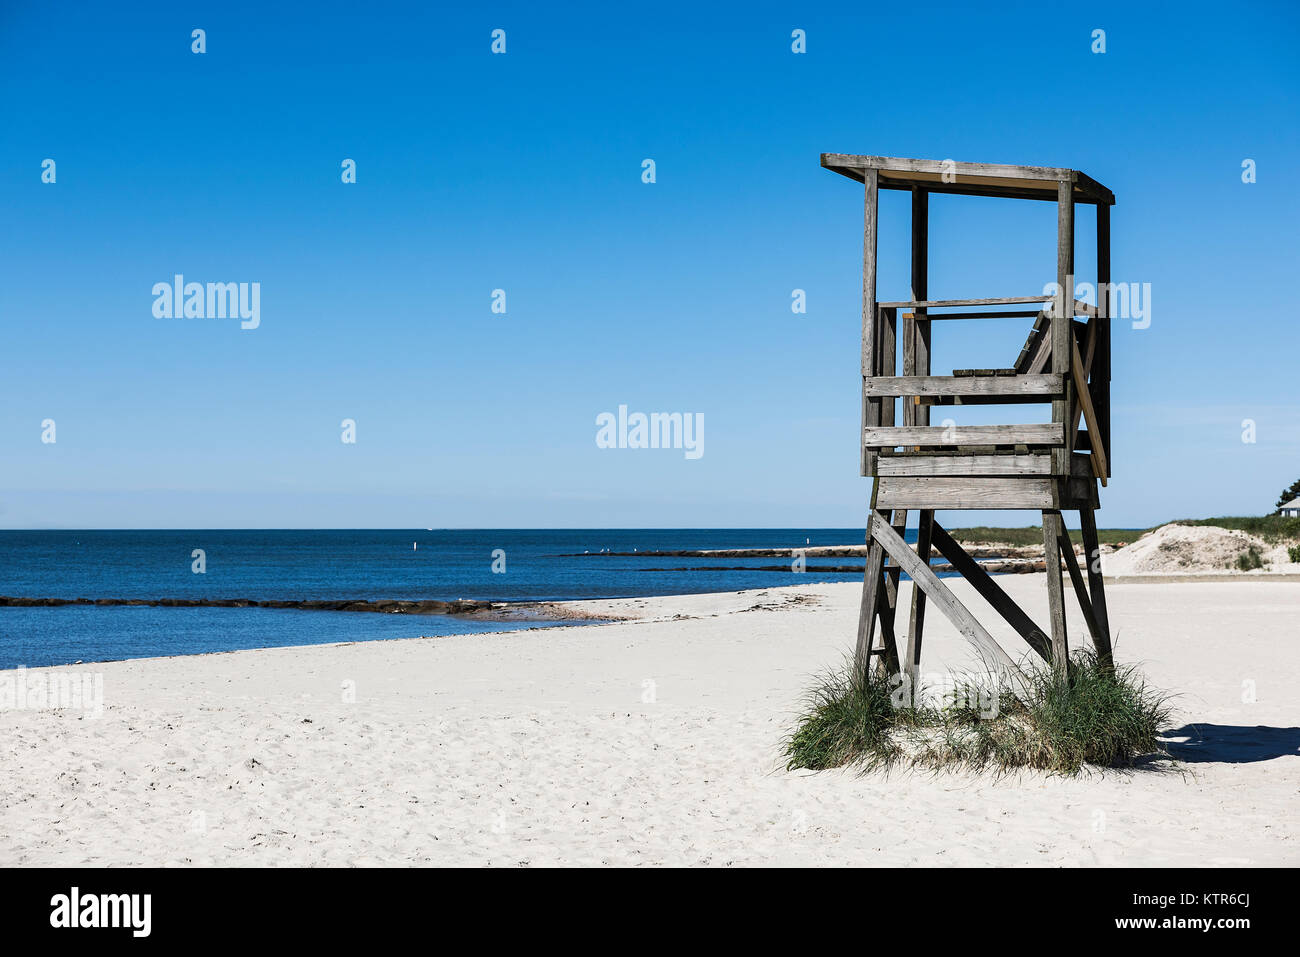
<point>334,564</point>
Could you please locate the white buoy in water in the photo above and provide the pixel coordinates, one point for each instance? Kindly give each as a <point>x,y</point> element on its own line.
<point>414,546</point>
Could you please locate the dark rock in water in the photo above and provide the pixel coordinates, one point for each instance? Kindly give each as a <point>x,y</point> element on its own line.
<point>428,606</point>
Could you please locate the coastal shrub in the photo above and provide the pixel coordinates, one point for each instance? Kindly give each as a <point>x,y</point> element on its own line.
<point>1033,535</point>
<point>1101,716</point>
<point>1271,528</point>
<point>1293,553</point>
<point>1250,560</point>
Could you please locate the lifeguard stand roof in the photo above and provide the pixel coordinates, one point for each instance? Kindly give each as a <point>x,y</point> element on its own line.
<point>977,179</point>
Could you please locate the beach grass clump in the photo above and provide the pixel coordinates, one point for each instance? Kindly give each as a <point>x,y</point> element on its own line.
<point>1100,716</point>
<point>1271,528</point>
<point>1293,553</point>
<point>1250,559</point>
<point>845,722</point>
<point>1033,535</point>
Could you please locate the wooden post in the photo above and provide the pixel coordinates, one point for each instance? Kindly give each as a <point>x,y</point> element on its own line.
<point>919,349</point>
<point>1096,584</point>
<point>1101,360</point>
<point>870,407</point>
<point>871,579</point>
<point>921,292</point>
<point>916,622</point>
<point>1052,528</point>
<point>1076,580</point>
<point>1062,316</point>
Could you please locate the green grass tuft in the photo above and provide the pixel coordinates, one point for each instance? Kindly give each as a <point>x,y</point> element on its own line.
<point>1101,717</point>
<point>1250,560</point>
<point>1271,528</point>
<point>1033,535</point>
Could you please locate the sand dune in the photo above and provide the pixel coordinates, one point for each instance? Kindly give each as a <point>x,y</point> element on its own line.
<point>653,741</point>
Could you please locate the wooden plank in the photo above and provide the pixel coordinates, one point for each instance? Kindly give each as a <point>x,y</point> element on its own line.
<point>1101,368</point>
<point>1096,584</point>
<point>886,362</point>
<point>1076,579</point>
<point>1061,317</point>
<point>1052,527</point>
<point>1014,464</point>
<point>991,592</point>
<point>889,604</point>
<point>1046,433</point>
<point>984,179</point>
<point>871,579</point>
<point>936,493</point>
<point>1042,357</point>
<point>910,404</point>
<point>1090,416</point>
<point>943,303</point>
<point>1090,335</point>
<point>996,314</point>
<point>936,591</point>
<point>870,407</point>
<point>1048,175</point>
<point>920,250</point>
<point>1016,386</point>
<point>916,620</point>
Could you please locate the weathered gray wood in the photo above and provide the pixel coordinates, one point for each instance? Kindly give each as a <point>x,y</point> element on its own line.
<point>886,362</point>
<point>1048,175</point>
<point>1076,579</point>
<point>1018,387</point>
<point>1062,315</point>
<point>871,579</point>
<point>1090,337</point>
<point>991,592</point>
<point>1096,584</point>
<point>889,604</point>
<point>1047,433</point>
<point>920,291</point>
<point>870,407</point>
<point>942,303</point>
<point>1101,368</point>
<point>1052,528</point>
<point>910,403</point>
<point>937,493</point>
<point>982,179</point>
<point>1090,416</point>
<point>1033,342</point>
<point>1042,353</point>
<point>995,314</point>
<point>944,599</point>
<point>939,465</point>
<point>916,620</point>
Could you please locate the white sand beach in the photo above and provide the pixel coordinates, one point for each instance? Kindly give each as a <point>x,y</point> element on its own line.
<point>648,741</point>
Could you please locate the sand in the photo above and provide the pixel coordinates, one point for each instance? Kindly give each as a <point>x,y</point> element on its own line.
<point>1201,549</point>
<point>652,741</point>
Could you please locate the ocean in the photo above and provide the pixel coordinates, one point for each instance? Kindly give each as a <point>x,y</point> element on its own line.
<point>533,565</point>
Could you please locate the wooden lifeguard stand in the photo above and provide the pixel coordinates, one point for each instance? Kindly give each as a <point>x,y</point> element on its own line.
<point>1050,467</point>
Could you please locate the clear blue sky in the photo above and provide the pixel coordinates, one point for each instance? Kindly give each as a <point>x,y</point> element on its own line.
<point>523,172</point>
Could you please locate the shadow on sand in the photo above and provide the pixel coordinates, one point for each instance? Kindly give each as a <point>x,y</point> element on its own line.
<point>1231,744</point>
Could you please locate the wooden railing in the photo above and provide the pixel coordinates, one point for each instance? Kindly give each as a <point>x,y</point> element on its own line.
<point>1039,449</point>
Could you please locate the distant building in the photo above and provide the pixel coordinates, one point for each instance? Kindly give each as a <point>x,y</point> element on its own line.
<point>1291,509</point>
